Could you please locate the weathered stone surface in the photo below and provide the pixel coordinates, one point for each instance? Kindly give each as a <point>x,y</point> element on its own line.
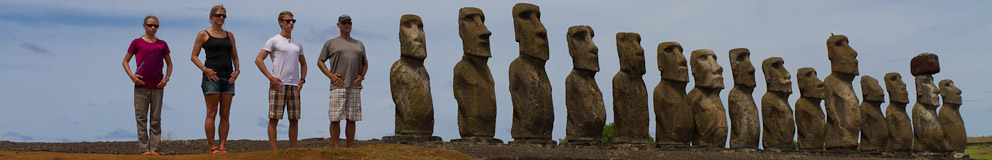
<point>745,126</point>
<point>410,83</point>
<point>925,63</point>
<point>779,127</point>
<point>950,117</point>
<point>673,115</point>
<point>810,120</point>
<point>584,100</point>
<point>840,100</point>
<point>530,88</point>
<point>928,135</point>
<point>473,82</point>
<point>874,129</point>
<point>708,112</point>
<point>900,127</point>
<point>630,95</point>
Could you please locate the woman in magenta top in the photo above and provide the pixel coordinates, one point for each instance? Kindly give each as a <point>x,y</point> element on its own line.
<point>151,54</point>
<point>219,73</point>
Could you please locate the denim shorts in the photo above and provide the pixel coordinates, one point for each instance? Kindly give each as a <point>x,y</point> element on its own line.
<point>219,86</point>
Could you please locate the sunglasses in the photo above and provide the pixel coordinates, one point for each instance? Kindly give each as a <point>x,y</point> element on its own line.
<point>346,23</point>
<point>220,15</point>
<point>289,20</point>
<point>152,25</point>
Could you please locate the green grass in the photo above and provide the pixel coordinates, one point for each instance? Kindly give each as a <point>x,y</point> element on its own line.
<point>979,151</point>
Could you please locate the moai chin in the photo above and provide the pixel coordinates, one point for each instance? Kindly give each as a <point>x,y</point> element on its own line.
<point>779,127</point>
<point>473,84</point>
<point>584,100</point>
<point>928,135</point>
<point>896,117</point>
<point>410,85</point>
<point>950,116</point>
<point>673,115</point>
<point>708,112</point>
<point>630,95</point>
<point>840,100</point>
<point>745,126</point>
<point>810,119</point>
<point>874,128</point>
<point>530,88</point>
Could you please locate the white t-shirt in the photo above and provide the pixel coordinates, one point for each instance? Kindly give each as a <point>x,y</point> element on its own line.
<point>285,54</point>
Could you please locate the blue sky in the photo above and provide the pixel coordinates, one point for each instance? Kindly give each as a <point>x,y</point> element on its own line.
<point>63,81</point>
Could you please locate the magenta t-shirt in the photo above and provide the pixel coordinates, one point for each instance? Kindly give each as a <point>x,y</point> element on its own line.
<point>150,60</point>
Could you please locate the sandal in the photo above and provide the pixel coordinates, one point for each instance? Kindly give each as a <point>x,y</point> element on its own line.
<point>214,150</point>
<point>222,151</point>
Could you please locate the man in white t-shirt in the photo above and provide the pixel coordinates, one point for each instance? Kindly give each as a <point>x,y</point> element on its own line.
<point>286,78</point>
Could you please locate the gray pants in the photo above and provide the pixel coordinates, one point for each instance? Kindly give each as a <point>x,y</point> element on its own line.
<point>148,102</point>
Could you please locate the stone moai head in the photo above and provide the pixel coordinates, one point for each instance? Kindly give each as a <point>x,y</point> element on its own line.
<point>870,90</point>
<point>631,54</point>
<point>585,54</point>
<point>809,84</point>
<point>951,94</point>
<point>412,37</point>
<point>777,79</point>
<point>472,29</point>
<point>896,88</point>
<point>530,32</point>
<point>843,58</point>
<point>705,71</point>
<point>740,66</point>
<point>926,92</point>
<point>672,63</point>
<point>923,66</point>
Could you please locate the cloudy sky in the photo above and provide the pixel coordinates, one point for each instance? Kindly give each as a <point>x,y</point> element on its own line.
<point>63,80</point>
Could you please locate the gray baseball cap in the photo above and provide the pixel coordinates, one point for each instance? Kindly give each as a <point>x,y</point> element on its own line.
<point>343,18</point>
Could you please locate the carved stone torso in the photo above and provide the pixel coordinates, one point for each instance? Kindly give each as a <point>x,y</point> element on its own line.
<point>630,101</point>
<point>950,119</point>
<point>810,123</point>
<point>586,111</point>
<point>843,114</point>
<point>928,135</point>
<point>874,129</point>
<point>411,91</point>
<point>779,125</point>
<point>530,89</point>
<point>474,90</point>
<point>710,117</point>
<point>900,128</point>
<point>674,125</point>
<point>745,130</point>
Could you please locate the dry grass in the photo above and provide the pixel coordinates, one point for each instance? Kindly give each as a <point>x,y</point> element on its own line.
<point>980,139</point>
<point>364,152</point>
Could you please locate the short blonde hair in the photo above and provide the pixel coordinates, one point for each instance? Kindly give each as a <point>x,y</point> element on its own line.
<point>149,17</point>
<point>214,10</point>
<point>284,13</point>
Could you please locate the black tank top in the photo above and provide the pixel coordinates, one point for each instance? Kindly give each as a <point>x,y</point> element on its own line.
<point>218,55</point>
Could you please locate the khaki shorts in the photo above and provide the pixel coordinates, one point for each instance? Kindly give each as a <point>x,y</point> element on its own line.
<point>346,104</point>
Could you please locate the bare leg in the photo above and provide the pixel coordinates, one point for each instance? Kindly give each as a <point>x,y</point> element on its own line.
<point>225,114</point>
<point>350,133</point>
<point>335,132</point>
<point>272,133</point>
<point>293,123</point>
<point>208,125</point>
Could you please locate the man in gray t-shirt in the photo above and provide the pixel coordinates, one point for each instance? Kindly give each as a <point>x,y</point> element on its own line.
<point>348,67</point>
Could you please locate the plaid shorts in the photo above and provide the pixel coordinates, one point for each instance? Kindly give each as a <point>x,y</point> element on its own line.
<point>288,99</point>
<point>345,104</point>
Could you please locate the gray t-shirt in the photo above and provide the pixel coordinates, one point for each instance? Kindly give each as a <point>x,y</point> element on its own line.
<point>346,57</point>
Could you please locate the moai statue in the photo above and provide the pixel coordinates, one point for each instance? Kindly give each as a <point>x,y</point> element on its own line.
<point>630,95</point>
<point>779,126</point>
<point>810,120</point>
<point>745,127</point>
<point>900,128</point>
<point>950,118</point>
<point>708,112</point>
<point>874,128</point>
<point>530,88</point>
<point>673,115</point>
<point>584,100</point>
<point>473,82</point>
<point>410,85</point>
<point>843,115</point>
<point>928,135</point>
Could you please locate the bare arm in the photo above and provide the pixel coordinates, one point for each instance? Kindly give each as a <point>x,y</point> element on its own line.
<point>127,69</point>
<point>197,46</point>
<point>259,61</point>
<point>234,58</point>
<point>303,72</point>
<point>360,77</point>
<point>168,71</point>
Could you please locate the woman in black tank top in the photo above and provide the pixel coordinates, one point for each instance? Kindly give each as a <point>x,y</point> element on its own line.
<point>219,73</point>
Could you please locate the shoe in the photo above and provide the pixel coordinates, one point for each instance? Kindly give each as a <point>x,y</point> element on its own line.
<point>214,150</point>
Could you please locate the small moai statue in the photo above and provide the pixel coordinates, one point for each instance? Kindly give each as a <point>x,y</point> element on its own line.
<point>840,100</point>
<point>630,95</point>
<point>745,125</point>
<point>584,100</point>
<point>410,85</point>
<point>473,84</point>
<point>874,128</point>
<point>779,127</point>
<point>950,117</point>
<point>900,126</point>
<point>530,88</point>
<point>810,120</point>
<point>928,135</point>
<point>710,117</point>
<point>673,115</point>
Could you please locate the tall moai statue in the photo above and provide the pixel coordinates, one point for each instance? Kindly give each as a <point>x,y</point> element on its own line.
<point>874,128</point>
<point>473,82</point>
<point>584,100</point>
<point>928,135</point>
<point>530,88</point>
<point>950,117</point>
<point>745,126</point>
<point>673,115</point>
<point>810,120</point>
<point>843,115</point>
<point>779,127</point>
<point>708,112</point>
<point>410,85</point>
<point>900,126</point>
<point>630,95</point>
